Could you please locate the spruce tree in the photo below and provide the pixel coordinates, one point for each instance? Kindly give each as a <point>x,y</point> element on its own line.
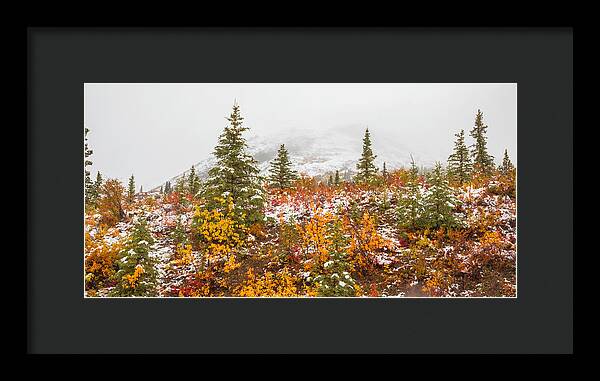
<point>507,165</point>
<point>166,190</point>
<point>384,172</point>
<point>95,190</point>
<point>365,166</point>
<point>193,182</point>
<point>330,181</point>
<point>281,173</point>
<point>236,173</point>
<point>180,186</point>
<point>483,162</point>
<point>131,189</point>
<point>459,162</point>
<point>179,234</point>
<point>88,184</point>
<point>336,180</point>
<point>440,201</point>
<point>137,270</point>
<point>99,180</point>
<point>410,205</point>
<point>181,189</point>
<point>162,192</point>
<point>334,279</point>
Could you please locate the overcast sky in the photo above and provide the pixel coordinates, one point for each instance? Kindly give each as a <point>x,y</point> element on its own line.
<point>156,131</point>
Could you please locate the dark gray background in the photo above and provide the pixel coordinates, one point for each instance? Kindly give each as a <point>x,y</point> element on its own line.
<point>540,320</point>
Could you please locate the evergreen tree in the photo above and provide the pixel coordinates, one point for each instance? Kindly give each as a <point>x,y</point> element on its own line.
<point>507,165</point>
<point>193,182</point>
<point>483,162</point>
<point>88,184</point>
<point>99,180</point>
<point>336,180</point>
<point>365,166</point>
<point>137,272</point>
<point>440,200</point>
<point>180,185</point>
<point>131,189</point>
<point>236,173</point>
<point>281,173</point>
<point>141,189</point>
<point>410,205</point>
<point>384,172</point>
<point>95,190</point>
<point>334,279</point>
<point>459,162</point>
<point>179,234</point>
<point>330,181</point>
<point>162,190</point>
<point>384,206</point>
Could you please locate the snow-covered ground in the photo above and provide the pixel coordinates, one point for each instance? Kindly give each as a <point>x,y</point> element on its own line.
<point>476,203</point>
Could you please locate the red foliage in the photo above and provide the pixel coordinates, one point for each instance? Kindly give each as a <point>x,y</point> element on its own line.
<point>373,290</point>
<point>172,198</point>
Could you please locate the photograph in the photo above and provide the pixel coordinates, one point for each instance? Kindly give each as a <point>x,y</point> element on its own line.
<point>299,190</point>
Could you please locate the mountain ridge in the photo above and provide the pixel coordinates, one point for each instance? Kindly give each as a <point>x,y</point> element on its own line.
<point>316,153</point>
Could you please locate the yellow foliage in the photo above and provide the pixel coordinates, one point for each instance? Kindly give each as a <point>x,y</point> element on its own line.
<point>437,284</point>
<point>100,257</point>
<point>183,255</point>
<point>365,241</point>
<point>221,234</point>
<point>484,220</point>
<point>313,235</point>
<point>423,242</point>
<point>312,290</point>
<point>132,279</point>
<point>231,264</point>
<point>491,238</point>
<point>270,284</point>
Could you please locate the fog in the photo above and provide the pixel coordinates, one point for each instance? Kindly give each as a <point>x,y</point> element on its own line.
<point>155,131</point>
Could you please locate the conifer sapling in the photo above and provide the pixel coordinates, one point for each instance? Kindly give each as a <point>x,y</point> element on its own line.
<point>281,173</point>
<point>459,162</point>
<point>483,162</point>
<point>365,166</point>
<point>507,165</point>
<point>131,189</point>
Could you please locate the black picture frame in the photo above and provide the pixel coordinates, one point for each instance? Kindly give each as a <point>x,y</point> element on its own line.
<point>60,320</point>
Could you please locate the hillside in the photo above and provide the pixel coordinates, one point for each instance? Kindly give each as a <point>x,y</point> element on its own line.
<point>316,153</point>
<point>478,259</point>
<point>448,231</point>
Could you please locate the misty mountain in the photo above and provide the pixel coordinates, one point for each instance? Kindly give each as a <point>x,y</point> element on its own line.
<point>319,153</point>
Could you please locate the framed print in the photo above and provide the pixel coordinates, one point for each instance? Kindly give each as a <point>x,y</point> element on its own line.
<point>296,191</point>
<point>377,192</point>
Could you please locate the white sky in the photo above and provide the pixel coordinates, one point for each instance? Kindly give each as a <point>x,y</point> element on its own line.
<point>156,131</point>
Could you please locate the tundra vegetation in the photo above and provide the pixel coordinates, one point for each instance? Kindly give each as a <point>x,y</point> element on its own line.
<point>446,231</point>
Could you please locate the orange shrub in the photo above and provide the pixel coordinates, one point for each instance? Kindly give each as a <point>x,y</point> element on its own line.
<point>100,260</point>
<point>110,204</point>
<point>365,241</point>
<point>314,238</point>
